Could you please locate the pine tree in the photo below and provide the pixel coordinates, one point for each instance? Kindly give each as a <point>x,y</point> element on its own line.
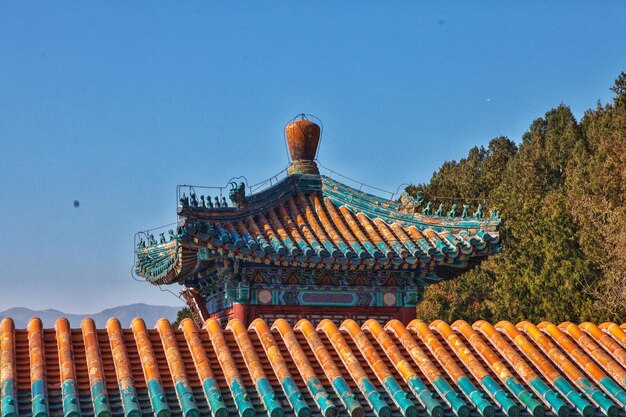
<point>182,314</point>
<point>562,197</point>
<point>597,197</point>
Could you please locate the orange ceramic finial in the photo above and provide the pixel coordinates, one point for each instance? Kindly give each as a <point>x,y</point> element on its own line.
<point>303,136</point>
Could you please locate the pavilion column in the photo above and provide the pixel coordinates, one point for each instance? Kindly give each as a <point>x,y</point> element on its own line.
<point>407,315</point>
<point>240,311</point>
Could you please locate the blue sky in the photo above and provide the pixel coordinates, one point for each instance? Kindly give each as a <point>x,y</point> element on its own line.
<point>115,104</point>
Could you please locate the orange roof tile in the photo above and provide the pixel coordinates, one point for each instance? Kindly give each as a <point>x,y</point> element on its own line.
<point>382,369</point>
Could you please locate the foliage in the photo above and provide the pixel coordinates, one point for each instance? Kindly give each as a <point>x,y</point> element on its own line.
<point>598,198</point>
<point>183,313</point>
<point>562,198</point>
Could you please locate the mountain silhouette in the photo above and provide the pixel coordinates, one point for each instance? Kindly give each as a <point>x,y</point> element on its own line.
<point>149,313</point>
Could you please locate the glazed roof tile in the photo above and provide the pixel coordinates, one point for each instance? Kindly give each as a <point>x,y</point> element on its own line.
<point>317,222</point>
<point>347,369</point>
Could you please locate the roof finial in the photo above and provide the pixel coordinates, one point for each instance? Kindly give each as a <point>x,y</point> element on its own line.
<point>303,137</point>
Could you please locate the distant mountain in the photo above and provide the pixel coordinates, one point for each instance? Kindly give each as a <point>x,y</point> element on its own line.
<point>150,314</point>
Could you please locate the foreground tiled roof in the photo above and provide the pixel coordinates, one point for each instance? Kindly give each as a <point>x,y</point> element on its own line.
<point>316,222</point>
<point>275,369</point>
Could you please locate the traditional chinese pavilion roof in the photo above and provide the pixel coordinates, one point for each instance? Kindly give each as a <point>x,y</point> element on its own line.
<point>276,369</point>
<point>312,221</point>
<point>317,222</point>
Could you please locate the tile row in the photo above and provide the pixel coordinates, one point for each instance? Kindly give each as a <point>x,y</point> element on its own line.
<point>373,369</point>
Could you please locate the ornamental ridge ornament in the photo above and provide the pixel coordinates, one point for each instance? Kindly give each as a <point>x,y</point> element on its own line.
<point>237,194</point>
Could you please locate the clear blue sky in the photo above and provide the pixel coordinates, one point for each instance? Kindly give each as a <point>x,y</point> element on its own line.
<point>115,104</point>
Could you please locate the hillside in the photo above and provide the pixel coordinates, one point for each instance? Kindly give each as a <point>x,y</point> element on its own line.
<point>125,314</point>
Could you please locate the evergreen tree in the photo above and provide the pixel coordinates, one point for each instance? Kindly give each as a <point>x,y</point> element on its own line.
<point>562,198</point>
<point>597,197</point>
<point>467,296</point>
<point>183,313</point>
